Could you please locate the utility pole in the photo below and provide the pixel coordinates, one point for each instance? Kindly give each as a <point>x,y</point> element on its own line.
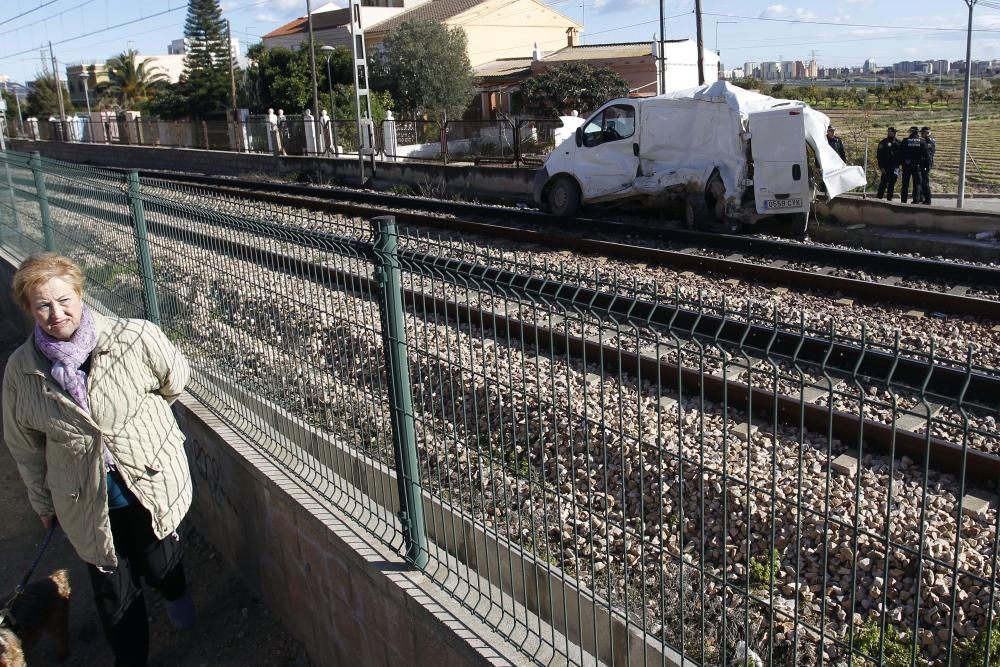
<point>965,110</point>
<point>232,73</point>
<point>701,43</point>
<point>55,72</point>
<point>662,70</point>
<point>312,61</point>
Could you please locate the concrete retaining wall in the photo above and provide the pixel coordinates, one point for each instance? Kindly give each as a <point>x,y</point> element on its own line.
<point>887,215</point>
<point>485,183</point>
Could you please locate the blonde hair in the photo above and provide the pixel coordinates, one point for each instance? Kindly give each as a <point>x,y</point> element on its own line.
<point>38,270</point>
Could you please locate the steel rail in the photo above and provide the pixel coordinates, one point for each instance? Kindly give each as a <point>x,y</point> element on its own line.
<point>956,304</point>
<point>943,382</point>
<point>851,429</point>
<point>403,207</point>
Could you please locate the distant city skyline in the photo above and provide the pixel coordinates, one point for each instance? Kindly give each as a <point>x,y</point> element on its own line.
<point>844,33</point>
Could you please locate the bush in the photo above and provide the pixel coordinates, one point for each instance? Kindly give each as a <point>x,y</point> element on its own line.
<point>895,652</point>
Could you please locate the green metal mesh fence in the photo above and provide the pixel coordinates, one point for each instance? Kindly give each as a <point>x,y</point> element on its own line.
<point>601,471</point>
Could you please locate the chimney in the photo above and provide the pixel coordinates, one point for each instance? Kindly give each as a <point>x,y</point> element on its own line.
<point>536,54</point>
<point>571,36</point>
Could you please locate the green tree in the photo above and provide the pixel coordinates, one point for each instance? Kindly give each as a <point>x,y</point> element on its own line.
<point>573,86</point>
<point>748,83</point>
<point>43,102</point>
<point>426,70</point>
<point>811,94</point>
<point>279,78</point>
<point>205,82</point>
<point>132,81</point>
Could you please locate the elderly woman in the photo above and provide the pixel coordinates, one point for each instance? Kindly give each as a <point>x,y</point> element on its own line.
<point>86,415</point>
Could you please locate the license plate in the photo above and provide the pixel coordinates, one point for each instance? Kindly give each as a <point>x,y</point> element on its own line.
<point>783,203</point>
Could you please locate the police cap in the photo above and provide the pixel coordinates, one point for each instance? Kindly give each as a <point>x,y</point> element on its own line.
<point>925,129</point>
<point>913,128</point>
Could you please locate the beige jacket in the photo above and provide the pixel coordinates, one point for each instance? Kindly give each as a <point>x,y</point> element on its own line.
<point>135,373</point>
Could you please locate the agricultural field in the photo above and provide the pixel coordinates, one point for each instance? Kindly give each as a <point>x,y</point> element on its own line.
<point>982,169</point>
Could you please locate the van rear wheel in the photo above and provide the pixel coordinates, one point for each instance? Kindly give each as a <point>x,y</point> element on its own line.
<point>563,197</point>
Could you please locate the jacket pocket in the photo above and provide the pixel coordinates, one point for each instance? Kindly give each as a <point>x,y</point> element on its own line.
<point>63,484</point>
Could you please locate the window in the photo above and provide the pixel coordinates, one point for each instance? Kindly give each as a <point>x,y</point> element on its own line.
<point>614,123</point>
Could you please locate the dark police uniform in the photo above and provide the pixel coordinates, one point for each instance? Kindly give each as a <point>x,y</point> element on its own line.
<point>912,155</point>
<point>927,165</point>
<point>887,156</point>
<point>837,145</point>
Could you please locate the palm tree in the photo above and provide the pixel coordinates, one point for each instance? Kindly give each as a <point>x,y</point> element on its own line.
<point>130,81</point>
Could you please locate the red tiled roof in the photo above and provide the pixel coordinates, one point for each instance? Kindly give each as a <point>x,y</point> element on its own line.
<point>290,28</point>
<point>434,11</point>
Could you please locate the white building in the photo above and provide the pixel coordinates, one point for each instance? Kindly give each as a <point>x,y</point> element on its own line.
<point>171,65</point>
<point>751,69</point>
<point>770,70</point>
<point>179,47</point>
<point>870,67</point>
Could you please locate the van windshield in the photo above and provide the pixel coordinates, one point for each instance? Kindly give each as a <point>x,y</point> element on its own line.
<point>614,123</point>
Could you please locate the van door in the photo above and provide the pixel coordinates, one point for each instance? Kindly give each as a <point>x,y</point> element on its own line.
<point>607,162</point>
<point>780,164</point>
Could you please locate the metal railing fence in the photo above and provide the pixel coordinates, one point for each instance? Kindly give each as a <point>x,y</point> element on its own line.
<point>600,471</point>
<point>519,142</point>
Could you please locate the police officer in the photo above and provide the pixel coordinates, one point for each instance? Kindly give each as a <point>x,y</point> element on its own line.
<point>887,156</point>
<point>835,142</point>
<point>912,155</point>
<point>927,165</point>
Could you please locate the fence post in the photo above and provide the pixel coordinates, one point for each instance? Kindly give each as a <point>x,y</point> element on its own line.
<point>387,276</point>
<point>10,187</point>
<point>149,296</point>
<point>43,200</point>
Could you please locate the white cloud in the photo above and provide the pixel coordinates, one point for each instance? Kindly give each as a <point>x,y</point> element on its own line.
<point>858,2</point>
<point>804,15</point>
<point>268,17</point>
<point>773,12</point>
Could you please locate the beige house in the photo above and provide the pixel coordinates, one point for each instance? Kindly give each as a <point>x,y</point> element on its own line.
<point>634,61</point>
<point>94,73</point>
<point>495,28</point>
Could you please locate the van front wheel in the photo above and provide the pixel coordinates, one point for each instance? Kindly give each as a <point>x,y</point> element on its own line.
<point>563,197</point>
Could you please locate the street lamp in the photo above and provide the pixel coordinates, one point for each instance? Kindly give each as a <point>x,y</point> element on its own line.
<point>84,77</point>
<point>964,150</point>
<point>328,50</point>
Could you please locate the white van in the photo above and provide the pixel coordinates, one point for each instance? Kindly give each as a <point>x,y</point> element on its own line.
<point>730,154</point>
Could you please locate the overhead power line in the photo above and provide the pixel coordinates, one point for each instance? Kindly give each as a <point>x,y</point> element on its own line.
<point>847,25</point>
<point>48,18</point>
<point>16,17</point>
<point>97,32</point>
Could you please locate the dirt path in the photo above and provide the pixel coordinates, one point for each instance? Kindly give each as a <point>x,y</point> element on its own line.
<point>234,628</point>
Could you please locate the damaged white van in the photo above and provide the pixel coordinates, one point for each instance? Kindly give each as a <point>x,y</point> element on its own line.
<point>731,155</point>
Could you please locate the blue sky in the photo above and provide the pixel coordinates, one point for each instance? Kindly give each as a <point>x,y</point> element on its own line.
<point>842,32</point>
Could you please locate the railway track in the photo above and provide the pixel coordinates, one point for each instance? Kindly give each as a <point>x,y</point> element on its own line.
<point>536,228</point>
<point>276,293</point>
<point>936,383</point>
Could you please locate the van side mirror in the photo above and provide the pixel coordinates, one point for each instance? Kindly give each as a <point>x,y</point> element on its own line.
<point>579,136</point>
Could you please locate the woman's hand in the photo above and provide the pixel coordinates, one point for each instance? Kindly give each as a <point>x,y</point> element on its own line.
<point>48,520</point>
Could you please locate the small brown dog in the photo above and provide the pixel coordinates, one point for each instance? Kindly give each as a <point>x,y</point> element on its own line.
<point>43,607</point>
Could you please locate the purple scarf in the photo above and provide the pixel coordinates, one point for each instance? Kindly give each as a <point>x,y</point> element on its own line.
<point>68,355</point>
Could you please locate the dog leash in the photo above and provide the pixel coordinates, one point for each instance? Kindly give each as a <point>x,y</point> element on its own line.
<point>5,613</point>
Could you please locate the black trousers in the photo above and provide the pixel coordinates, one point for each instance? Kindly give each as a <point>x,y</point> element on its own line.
<point>925,182</point>
<point>908,173</point>
<point>887,184</point>
<point>118,593</point>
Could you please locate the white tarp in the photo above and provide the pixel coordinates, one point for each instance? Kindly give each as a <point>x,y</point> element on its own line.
<point>712,134</point>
